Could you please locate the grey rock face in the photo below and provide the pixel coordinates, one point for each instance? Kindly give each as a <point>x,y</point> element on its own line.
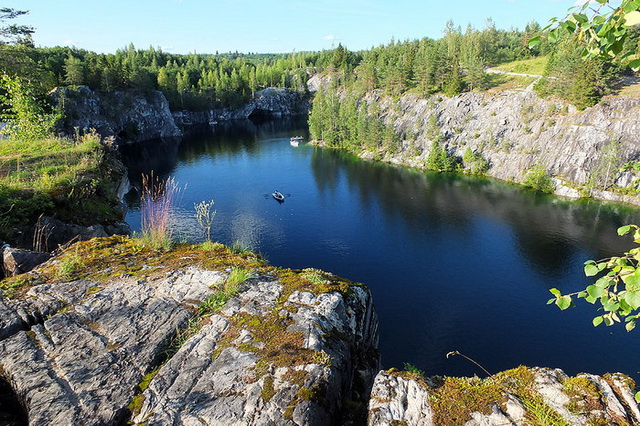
<point>515,130</point>
<point>398,398</point>
<point>222,376</point>
<point>130,116</point>
<point>75,352</point>
<point>270,102</point>
<point>395,398</point>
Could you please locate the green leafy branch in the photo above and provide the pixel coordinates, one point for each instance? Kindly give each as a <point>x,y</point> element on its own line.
<point>604,29</point>
<point>617,289</point>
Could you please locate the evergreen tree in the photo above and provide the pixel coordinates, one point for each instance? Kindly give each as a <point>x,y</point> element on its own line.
<point>74,71</point>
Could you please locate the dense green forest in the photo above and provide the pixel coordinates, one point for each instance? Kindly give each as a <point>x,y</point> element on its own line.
<point>193,81</point>
<point>450,65</point>
<point>343,117</point>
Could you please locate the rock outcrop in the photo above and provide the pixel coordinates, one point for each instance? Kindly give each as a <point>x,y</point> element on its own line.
<point>516,130</point>
<point>148,341</point>
<point>267,103</point>
<point>128,115</point>
<point>516,397</point>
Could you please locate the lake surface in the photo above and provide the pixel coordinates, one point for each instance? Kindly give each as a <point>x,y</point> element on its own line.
<point>454,263</point>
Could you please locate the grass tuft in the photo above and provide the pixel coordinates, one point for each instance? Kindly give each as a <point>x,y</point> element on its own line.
<point>158,200</point>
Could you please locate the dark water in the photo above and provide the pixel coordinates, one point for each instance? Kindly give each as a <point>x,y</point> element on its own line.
<point>454,263</point>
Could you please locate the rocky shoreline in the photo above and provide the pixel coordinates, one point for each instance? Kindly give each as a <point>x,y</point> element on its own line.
<point>585,152</point>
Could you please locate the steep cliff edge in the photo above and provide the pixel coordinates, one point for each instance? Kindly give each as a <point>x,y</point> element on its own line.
<point>132,116</point>
<point>129,333</point>
<point>516,130</point>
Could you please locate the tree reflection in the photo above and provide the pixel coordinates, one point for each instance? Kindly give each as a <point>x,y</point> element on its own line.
<point>548,231</point>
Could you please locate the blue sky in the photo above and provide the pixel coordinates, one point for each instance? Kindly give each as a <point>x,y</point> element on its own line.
<point>264,26</point>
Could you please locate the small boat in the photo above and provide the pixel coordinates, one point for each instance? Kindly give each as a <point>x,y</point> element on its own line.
<point>278,196</point>
<point>295,140</point>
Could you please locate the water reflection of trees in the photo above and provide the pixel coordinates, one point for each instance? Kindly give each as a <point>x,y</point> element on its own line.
<point>547,230</point>
<point>159,156</point>
<point>229,138</point>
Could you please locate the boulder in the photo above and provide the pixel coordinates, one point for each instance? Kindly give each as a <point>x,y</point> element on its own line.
<point>17,261</point>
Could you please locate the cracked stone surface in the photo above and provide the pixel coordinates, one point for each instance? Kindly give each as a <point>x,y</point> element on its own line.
<point>76,352</point>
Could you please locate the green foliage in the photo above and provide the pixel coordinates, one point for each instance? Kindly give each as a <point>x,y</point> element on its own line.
<point>26,117</point>
<point>410,368</point>
<point>581,81</point>
<point>54,176</point>
<point>236,277</point>
<point>475,162</point>
<point>68,265</point>
<point>617,288</point>
<point>603,29</point>
<point>440,160</point>
<point>538,178</point>
<point>14,33</point>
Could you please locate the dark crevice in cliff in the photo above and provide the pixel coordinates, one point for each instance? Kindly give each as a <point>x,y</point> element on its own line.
<point>12,412</point>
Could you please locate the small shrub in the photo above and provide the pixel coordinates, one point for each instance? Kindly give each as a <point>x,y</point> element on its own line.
<point>236,277</point>
<point>209,246</point>
<point>475,162</point>
<point>538,178</point>
<point>239,247</point>
<point>315,276</point>
<point>204,216</point>
<point>70,263</point>
<point>410,368</point>
<point>440,160</point>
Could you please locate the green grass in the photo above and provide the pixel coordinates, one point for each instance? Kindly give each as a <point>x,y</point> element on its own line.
<point>535,66</point>
<point>55,176</point>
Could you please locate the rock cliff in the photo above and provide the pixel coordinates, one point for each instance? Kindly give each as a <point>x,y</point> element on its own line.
<point>129,116</point>
<point>515,130</point>
<point>267,103</point>
<point>136,116</point>
<point>131,334</point>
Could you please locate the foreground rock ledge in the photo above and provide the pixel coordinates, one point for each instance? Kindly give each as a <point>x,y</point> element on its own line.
<point>149,346</point>
<point>522,396</point>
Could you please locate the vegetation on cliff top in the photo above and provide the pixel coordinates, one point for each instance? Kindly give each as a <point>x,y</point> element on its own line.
<point>41,174</point>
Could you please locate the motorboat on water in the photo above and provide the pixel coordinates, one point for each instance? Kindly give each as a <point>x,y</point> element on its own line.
<point>278,196</point>
<point>295,140</point>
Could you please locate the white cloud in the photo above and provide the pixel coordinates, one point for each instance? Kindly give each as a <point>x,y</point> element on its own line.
<point>329,37</point>
<point>68,42</point>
